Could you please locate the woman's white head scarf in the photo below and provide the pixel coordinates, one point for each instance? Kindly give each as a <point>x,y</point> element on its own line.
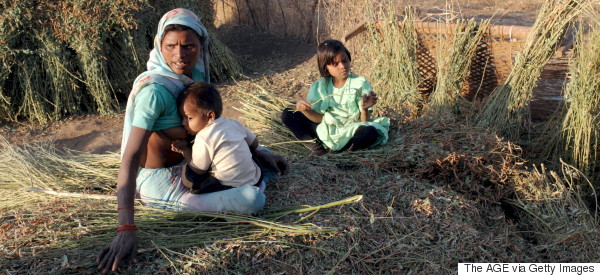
<point>159,72</point>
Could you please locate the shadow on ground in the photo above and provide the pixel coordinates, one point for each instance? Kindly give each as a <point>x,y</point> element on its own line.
<point>262,53</point>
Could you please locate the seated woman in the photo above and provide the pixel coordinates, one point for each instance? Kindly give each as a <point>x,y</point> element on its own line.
<point>149,168</point>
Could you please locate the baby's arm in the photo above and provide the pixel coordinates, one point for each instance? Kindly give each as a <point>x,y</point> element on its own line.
<point>181,146</point>
<point>252,141</point>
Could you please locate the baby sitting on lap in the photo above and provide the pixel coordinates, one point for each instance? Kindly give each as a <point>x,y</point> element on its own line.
<point>221,154</point>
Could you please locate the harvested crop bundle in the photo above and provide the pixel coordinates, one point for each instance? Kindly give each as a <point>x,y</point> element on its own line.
<point>454,65</point>
<point>507,108</point>
<point>393,51</point>
<point>580,134</point>
<point>69,57</point>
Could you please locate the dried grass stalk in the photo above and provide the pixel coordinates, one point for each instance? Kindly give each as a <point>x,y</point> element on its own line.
<point>454,65</point>
<point>68,57</point>
<point>507,109</point>
<point>40,165</point>
<point>262,109</point>
<point>393,70</point>
<point>580,133</point>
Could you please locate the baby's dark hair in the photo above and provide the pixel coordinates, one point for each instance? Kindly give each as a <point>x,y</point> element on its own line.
<point>178,27</point>
<point>204,96</point>
<point>326,53</point>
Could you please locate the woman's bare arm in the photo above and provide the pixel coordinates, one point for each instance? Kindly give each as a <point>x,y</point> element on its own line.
<point>125,243</point>
<point>136,145</point>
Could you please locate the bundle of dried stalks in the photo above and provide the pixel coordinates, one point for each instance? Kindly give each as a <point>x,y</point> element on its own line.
<point>454,58</point>
<point>68,57</point>
<point>580,133</point>
<point>40,165</point>
<point>392,51</point>
<point>224,64</point>
<point>553,210</point>
<point>261,110</point>
<point>41,229</point>
<point>507,109</point>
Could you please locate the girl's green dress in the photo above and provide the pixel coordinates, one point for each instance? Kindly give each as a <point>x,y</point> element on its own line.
<point>341,111</point>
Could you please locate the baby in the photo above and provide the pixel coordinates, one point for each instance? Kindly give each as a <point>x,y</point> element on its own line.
<point>221,155</point>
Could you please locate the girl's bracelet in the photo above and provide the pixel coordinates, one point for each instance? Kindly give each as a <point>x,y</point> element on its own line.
<point>126,227</point>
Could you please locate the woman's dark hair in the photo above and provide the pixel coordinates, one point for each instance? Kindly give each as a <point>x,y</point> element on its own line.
<point>326,53</point>
<point>178,27</point>
<point>204,96</point>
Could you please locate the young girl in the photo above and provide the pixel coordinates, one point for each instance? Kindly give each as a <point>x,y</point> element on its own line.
<point>337,111</point>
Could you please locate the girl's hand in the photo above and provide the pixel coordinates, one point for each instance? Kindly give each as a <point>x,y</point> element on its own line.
<point>179,146</point>
<point>303,105</point>
<point>368,101</point>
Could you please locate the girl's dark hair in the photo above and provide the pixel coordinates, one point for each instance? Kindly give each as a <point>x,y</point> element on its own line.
<point>326,52</point>
<point>178,27</point>
<point>204,96</point>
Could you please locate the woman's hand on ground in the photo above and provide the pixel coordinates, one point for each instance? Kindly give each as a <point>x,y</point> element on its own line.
<point>303,105</point>
<point>123,245</point>
<point>273,161</point>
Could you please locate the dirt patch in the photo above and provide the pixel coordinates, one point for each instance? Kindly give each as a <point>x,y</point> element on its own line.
<point>263,53</point>
<point>90,133</point>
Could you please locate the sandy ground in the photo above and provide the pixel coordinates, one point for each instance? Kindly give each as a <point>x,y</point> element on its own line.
<point>286,61</point>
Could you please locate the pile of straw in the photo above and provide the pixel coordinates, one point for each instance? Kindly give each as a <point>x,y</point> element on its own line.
<point>467,159</point>
<point>454,58</point>
<point>41,166</point>
<point>80,222</point>
<point>580,133</point>
<point>393,71</point>
<point>507,109</point>
<point>261,110</point>
<point>68,57</point>
<point>553,211</point>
